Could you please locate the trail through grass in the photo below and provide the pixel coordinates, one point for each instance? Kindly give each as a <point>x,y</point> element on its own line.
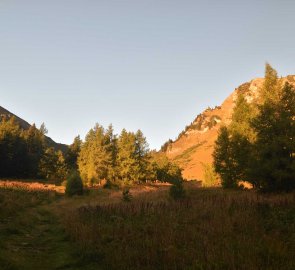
<point>210,229</point>
<point>31,234</point>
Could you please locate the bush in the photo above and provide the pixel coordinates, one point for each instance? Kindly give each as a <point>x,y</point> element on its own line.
<point>74,185</point>
<point>126,195</point>
<point>177,191</point>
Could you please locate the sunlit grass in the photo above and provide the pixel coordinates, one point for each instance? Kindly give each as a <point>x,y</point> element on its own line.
<point>209,229</point>
<point>212,229</point>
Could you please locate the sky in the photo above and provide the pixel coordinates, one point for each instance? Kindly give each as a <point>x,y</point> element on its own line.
<point>152,65</point>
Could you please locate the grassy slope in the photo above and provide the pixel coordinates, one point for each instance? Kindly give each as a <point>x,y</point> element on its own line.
<point>212,229</point>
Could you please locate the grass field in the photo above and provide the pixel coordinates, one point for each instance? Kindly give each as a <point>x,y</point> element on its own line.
<point>210,229</point>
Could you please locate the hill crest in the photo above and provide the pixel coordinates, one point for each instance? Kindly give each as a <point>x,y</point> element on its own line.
<point>195,144</point>
<point>25,125</point>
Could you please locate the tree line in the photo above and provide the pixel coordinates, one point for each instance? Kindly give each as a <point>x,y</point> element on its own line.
<point>259,144</point>
<point>117,159</point>
<point>25,154</point>
<point>122,159</point>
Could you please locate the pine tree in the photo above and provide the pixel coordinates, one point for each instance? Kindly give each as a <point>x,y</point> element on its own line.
<point>126,157</point>
<point>275,144</point>
<point>271,85</point>
<point>35,141</point>
<point>95,159</point>
<point>142,157</point>
<point>224,163</point>
<point>13,154</point>
<point>111,143</point>
<point>73,153</point>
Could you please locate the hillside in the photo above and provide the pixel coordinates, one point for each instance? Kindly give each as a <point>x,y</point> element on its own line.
<point>25,125</point>
<point>194,146</point>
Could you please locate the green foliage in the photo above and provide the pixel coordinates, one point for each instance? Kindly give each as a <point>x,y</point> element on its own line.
<point>120,161</point>
<point>166,146</point>
<point>72,154</point>
<point>133,157</point>
<point>274,147</point>
<point>20,150</point>
<point>95,158</point>
<point>52,165</point>
<point>164,169</point>
<point>224,163</point>
<point>259,144</point>
<point>177,191</point>
<point>210,177</point>
<point>74,185</point>
<point>126,195</point>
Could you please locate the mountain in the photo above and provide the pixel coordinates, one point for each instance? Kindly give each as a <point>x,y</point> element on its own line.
<point>195,144</point>
<point>25,125</point>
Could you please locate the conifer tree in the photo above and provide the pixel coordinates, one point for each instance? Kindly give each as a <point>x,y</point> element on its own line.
<point>73,153</point>
<point>126,157</point>
<point>13,155</point>
<point>224,162</point>
<point>95,159</point>
<point>274,148</point>
<point>35,141</point>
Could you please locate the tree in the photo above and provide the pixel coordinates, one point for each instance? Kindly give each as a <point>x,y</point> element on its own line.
<point>35,141</point>
<point>224,162</point>
<point>111,143</point>
<point>133,157</point>
<point>210,177</point>
<point>74,185</point>
<point>259,144</point>
<point>271,85</point>
<point>164,169</point>
<point>13,154</point>
<point>142,157</point>
<point>73,153</point>
<point>52,165</point>
<point>95,158</point>
<point>274,147</point>
<point>126,157</point>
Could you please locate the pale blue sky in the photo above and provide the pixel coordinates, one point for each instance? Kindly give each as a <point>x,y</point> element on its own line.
<point>150,65</point>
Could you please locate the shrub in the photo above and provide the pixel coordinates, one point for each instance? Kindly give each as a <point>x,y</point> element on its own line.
<point>74,185</point>
<point>126,195</point>
<point>177,191</point>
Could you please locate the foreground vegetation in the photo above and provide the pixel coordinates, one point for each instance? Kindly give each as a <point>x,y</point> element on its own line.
<point>208,229</point>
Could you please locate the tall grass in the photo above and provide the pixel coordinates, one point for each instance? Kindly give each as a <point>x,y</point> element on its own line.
<point>14,199</point>
<point>213,229</point>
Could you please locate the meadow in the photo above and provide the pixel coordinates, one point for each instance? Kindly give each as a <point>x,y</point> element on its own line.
<point>209,229</point>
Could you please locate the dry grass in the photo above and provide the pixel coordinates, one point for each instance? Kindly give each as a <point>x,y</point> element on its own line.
<point>31,186</point>
<point>212,229</point>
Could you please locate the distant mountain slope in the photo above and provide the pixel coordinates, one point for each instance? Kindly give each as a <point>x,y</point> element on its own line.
<point>194,146</point>
<point>25,125</point>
